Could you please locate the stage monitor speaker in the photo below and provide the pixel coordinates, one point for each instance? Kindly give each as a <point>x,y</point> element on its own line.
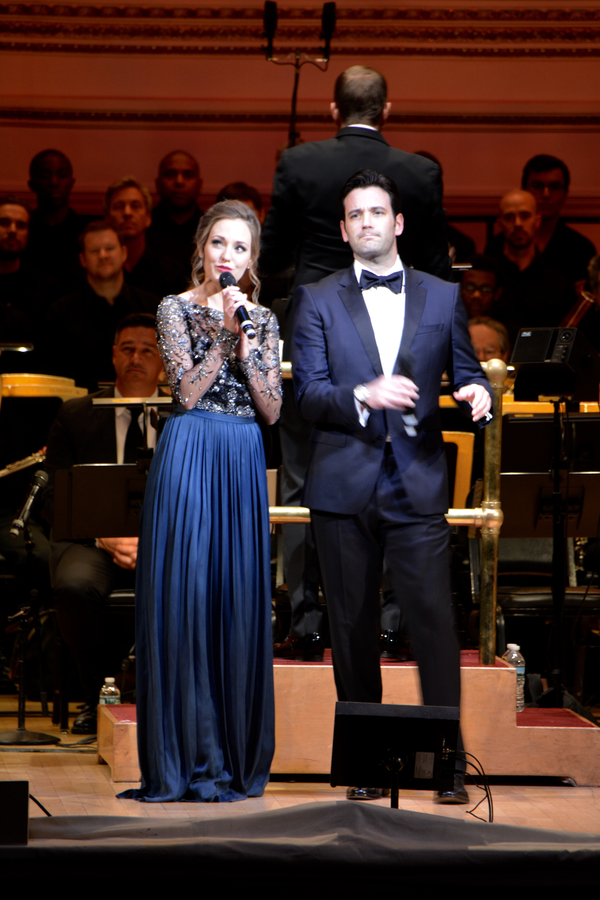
<point>14,815</point>
<point>555,362</point>
<point>370,738</point>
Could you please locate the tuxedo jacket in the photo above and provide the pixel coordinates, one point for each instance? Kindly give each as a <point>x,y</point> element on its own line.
<point>334,349</point>
<point>303,223</point>
<point>81,433</point>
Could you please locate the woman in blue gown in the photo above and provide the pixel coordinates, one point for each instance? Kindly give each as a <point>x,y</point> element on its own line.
<point>205,709</point>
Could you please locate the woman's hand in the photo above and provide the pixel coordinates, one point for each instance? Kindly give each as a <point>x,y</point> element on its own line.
<point>233,298</point>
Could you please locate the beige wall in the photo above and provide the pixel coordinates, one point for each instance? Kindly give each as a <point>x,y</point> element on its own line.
<point>483,96</point>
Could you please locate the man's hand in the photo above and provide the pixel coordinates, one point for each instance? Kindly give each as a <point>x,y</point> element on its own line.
<point>122,550</point>
<point>396,392</point>
<point>478,397</point>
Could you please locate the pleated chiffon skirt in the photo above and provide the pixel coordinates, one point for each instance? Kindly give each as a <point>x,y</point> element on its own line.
<point>205,706</point>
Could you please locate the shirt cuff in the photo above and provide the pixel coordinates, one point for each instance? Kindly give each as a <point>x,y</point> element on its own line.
<point>363,414</point>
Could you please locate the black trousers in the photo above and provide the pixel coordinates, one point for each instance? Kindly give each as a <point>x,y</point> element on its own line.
<point>83,576</point>
<point>351,551</point>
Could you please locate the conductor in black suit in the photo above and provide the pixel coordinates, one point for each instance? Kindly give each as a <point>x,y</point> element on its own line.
<point>304,214</point>
<point>369,348</point>
<point>84,572</point>
<point>303,224</point>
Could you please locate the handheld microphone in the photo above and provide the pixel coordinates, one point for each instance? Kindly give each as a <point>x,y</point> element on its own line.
<point>226,279</point>
<point>39,481</point>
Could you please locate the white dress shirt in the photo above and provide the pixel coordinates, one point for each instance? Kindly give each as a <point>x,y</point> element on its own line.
<point>123,421</point>
<point>386,311</point>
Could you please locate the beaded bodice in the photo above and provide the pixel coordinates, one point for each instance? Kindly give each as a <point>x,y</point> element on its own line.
<point>188,335</point>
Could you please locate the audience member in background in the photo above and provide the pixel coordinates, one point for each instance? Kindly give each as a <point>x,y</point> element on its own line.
<point>533,293</point>
<point>489,339</point>
<point>460,246</point>
<point>481,286</point>
<point>25,291</point>
<point>85,572</point>
<point>176,216</point>
<point>239,190</point>
<point>129,204</point>
<point>54,227</point>
<point>81,325</point>
<point>564,249</point>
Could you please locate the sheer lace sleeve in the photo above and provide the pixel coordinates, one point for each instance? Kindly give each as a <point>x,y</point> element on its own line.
<point>263,372</point>
<point>190,371</point>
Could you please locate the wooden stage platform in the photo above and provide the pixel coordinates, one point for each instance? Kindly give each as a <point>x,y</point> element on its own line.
<point>532,743</point>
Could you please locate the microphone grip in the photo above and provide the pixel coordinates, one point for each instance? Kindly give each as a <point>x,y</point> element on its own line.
<point>226,279</point>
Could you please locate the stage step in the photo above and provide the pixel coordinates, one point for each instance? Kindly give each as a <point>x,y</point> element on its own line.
<point>537,742</point>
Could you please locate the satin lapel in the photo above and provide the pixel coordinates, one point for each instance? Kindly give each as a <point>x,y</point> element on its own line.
<point>352,299</point>
<point>416,295</point>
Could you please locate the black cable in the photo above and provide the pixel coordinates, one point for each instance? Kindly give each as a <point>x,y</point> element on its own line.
<point>43,808</point>
<point>486,788</point>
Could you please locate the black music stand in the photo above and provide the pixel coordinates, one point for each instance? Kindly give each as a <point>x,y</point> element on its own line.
<point>389,746</point>
<point>559,363</point>
<point>117,490</point>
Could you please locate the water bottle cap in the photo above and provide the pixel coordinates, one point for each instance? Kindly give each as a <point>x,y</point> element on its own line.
<point>508,647</point>
<point>109,680</point>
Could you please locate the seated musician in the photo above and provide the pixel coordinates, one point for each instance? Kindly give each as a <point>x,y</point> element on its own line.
<point>84,572</point>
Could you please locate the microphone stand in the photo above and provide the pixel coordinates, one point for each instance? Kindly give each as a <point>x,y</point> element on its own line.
<point>293,59</point>
<point>553,697</point>
<point>23,617</point>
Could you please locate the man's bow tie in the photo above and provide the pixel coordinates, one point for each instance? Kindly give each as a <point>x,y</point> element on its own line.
<point>369,280</point>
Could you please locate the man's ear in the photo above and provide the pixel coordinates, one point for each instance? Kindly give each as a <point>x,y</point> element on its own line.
<point>335,114</point>
<point>344,234</point>
<point>386,112</point>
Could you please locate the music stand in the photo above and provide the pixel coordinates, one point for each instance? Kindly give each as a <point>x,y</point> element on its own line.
<point>561,363</point>
<point>391,746</point>
<point>117,492</point>
<point>117,489</point>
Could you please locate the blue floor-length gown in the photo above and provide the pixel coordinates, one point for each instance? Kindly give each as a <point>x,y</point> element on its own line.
<point>205,707</point>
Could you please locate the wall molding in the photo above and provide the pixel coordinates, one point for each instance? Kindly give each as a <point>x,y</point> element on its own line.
<point>486,12</point>
<point>488,30</point>
<point>277,120</point>
<point>362,50</point>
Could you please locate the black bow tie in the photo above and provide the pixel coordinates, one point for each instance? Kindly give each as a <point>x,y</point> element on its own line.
<point>392,281</point>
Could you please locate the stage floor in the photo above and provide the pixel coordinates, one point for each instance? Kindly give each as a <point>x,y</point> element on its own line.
<point>70,782</point>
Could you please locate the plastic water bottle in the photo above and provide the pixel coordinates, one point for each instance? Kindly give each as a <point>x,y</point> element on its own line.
<point>109,692</point>
<point>514,658</point>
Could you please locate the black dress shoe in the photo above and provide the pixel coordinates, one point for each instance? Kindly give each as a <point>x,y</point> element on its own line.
<point>394,645</point>
<point>458,795</point>
<point>389,644</point>
<point>86,721</point>
<point>307,649</point>
<point>361,793</point>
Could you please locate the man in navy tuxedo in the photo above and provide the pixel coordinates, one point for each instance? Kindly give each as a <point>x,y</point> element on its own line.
<point>370,345</point>
<point>302,226</point>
